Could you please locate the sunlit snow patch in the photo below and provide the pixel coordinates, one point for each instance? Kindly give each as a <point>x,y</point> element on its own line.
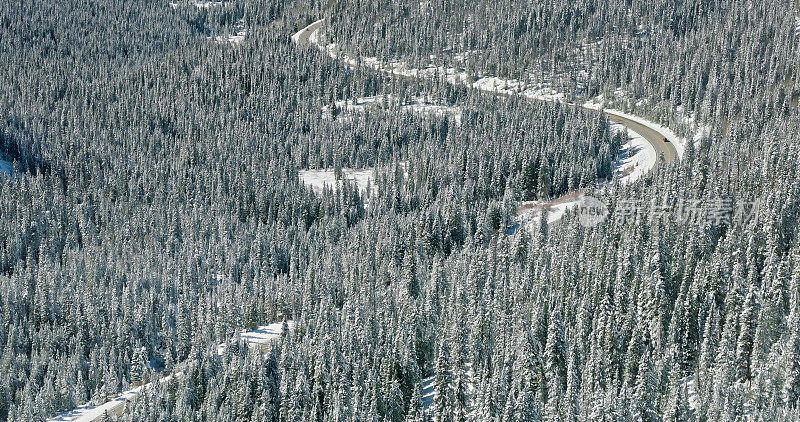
<point>417,105</point>
<point>529,213</point>
<point>198,4</point>
<point>258,338</point>
<point>114,407</point>
<point>236,38</point>
<point>319,179</point>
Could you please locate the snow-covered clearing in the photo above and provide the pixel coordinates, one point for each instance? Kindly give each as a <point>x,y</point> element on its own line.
<point>254,339</point>
<point>198,4</point>
<point>258,338</point>
<point>529,213</point>
<point>345,109</point>
<point>363,179</point>
<point>236,38</point>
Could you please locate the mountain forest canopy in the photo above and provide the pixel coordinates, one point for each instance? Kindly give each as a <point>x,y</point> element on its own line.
<point>155,209</point>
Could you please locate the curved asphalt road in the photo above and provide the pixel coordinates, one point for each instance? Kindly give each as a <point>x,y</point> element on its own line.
<point>665,150</point>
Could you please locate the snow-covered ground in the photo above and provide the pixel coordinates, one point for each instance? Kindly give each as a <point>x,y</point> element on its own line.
<point>363,178</point>
<point>198,4</point>
<point>318,179</point>
<point>116,406</point>
<point>529,212</point>
<point>637,156</point>
<point>113,407</point>
<point>233,38</point>
<point>260,336</point>
<point>420,105</point>
<point>5,166</point>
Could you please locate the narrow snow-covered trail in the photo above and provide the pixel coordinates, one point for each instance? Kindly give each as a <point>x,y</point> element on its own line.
<point>116,406</point>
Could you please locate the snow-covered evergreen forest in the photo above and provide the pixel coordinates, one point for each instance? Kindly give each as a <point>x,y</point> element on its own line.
<point>153,208</point>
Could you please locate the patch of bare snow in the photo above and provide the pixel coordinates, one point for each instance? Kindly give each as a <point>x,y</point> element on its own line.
<point>319,179</point>
<point>529,213</point>
<point>198,4</point>
<point>207,4</point>
<point>236,38</point>
<point>420,105</point>
<point>255,339</point>
<point>114,407</point>
<point>363,178</point>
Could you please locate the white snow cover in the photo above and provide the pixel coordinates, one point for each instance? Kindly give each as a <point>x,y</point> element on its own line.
<point>115,407</point>
<point>529,213</point>
<point>420,105</point>
<point>638,155</point>
<point>232,39</point>
<point>90,413</point>
<point>199,4</point>
<point>260,336</point>
<point>676,140</point>
<point>318,179</point>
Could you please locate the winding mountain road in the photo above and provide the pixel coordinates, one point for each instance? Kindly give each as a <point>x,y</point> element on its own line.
<point>665,149</point>
<point>663,142</point>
